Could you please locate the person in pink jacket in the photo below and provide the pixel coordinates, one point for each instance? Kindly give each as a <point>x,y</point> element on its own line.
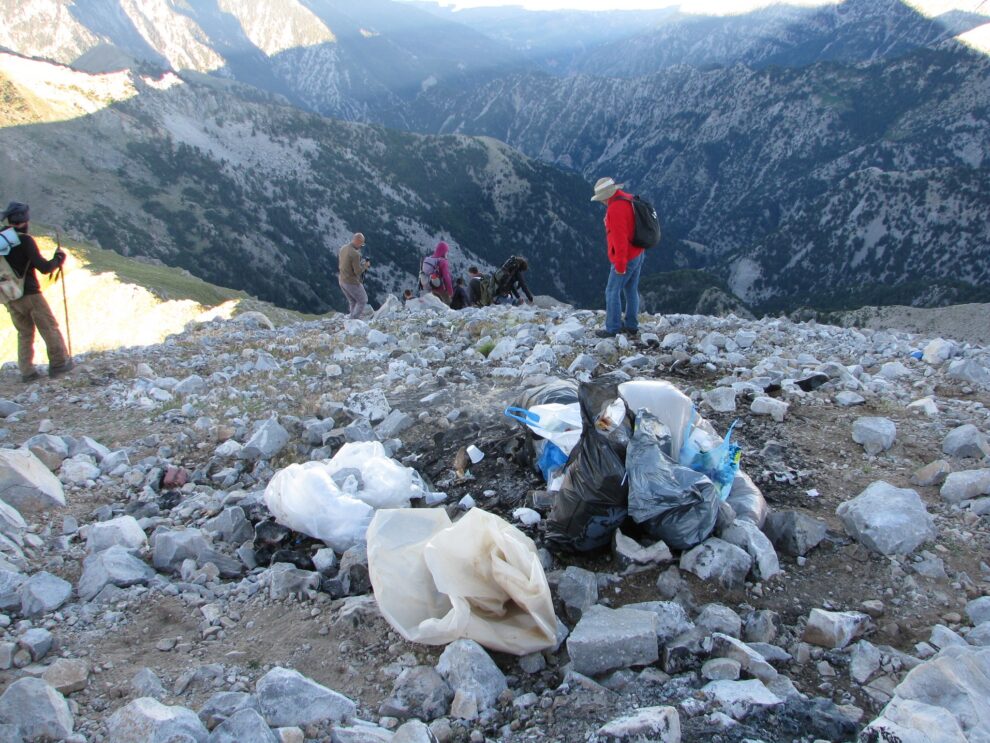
<point>435,274</point>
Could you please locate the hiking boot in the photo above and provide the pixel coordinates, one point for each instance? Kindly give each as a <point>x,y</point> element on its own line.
<point>30,377</point>
<point>55,371</point>
<point>631,333</point>
<point>605,333</point>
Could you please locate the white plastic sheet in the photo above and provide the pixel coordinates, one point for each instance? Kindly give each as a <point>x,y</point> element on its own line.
<point>305,497</point>
<point>663,400</point>
<point>480,579</point>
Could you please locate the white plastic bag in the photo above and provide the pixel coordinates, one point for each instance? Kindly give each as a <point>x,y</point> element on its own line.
<point>305,498</point>
<point>663,400</point>
<point>479,579</point>
<point>553,421</point>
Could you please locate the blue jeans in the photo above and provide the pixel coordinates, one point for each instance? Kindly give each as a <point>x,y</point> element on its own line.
<point>623,290</point>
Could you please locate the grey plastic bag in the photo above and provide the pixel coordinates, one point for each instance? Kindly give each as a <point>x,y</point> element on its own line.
<point>672,502</point>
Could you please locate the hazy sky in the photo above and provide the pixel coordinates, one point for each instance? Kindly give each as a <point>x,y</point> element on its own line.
<point>700,5</point>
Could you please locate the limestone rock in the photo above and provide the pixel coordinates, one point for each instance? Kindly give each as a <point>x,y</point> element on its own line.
<point>964,485</point>
<point>288,698</point>
<point>966,441</point>
<point>36,710</point>
<point>740,699</point>
<point>716,559</point>
<point>115,566</point>
<point>834,629</point>
<point>147,719</point>
<point>67,675</point>
<point>51,450</point>
<point>606,639</point>
<point>42,593</point>
<point>794,533</point>
<point>978,610</point>
<point>244,726</point>
<point>469,670</point>
<point>747,535</point>
<point>773,407</point>
<point>268,440</point>
<point>418,692</point>
<point>27,484</point>
<point>123,531</point>
<point>875,434</point>
<point>657,724</point>
<point>888,520</point>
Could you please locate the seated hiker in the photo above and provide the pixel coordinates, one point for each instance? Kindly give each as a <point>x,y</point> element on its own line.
<point>474,287</point>
<point>407,295</point>
<point>510,281</point>
<point>460,299</point>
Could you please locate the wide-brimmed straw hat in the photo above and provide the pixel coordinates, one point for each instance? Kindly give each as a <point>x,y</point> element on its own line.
<point>605,189</point>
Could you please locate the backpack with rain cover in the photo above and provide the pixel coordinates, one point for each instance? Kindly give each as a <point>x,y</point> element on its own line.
<point>486,291</point>
<point>429,273</point>
<point>11,284</point>
<point>647,231</point>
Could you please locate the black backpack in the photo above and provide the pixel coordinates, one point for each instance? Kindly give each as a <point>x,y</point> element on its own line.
<point>647,233</point>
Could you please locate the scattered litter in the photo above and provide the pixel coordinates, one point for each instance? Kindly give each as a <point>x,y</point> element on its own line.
<point>526,516</point>
<point>466,503</point>
<point>475,453</point>
<point>334,500</point>
<point>812,493</point>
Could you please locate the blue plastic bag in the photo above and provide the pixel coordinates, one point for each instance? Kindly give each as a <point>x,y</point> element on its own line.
<point>719,463</point>
<point>551,460</point>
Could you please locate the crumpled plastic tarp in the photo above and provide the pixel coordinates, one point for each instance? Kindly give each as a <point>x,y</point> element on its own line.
<point>479,579</point>
<point>335,500</point>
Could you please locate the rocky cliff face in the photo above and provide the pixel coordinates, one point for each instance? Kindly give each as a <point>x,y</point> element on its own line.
<point>247,192</point>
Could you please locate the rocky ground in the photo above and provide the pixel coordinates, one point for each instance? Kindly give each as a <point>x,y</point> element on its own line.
<point>161,598</point>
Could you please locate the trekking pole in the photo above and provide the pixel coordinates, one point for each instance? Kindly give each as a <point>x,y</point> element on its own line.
<point>65,297</point>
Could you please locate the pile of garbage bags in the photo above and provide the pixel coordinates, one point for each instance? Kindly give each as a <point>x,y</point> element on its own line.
<point>611,449</point>
<point>335,500</point>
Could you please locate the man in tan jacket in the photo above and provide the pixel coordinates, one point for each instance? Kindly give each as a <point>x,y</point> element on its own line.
<point>351,279</point>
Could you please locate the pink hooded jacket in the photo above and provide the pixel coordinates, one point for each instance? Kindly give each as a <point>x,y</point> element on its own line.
<point>440,256</point>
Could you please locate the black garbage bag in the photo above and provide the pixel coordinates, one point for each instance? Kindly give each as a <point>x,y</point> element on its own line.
<point>563,391</point>
<point>671,502</point>
<point>591,503</point>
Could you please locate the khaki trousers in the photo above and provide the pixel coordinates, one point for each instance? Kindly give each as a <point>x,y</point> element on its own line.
<point>27,313</point>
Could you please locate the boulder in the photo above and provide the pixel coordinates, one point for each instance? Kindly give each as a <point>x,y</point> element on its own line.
<point>721,399</point>
<point>606,639</point>
<point>740,699</point>
<point>285,580</point>
<point>123,531</point>
<point>834,629</point>
<point>224,704</point>
<point>887,519</point>
<point>79,470</point>
<point>67,675</point>
<point>43,593</point>
<point>978,610</point>
<point>10,589</point>
<point>716,559</point>
<point>969,371</point>
<point>938,351</point>
<point>966,441</point>
<point>37,641</point>
<point>943,699</point>
<point>672,619</point>
<point>578,590</point>
<point>371,405</point>
<point>747,535</point>
<point>965,485</point>
<point>170,547</point>
<point>36,710</point>
<point>51,450</point>
<point>469,670</point>
<point>115,566</point>
<point>27,484</point>
<point>244,726</point>
<point>794,533</point>
<point>771,406</point>
<point>268,440</point>
<point>147,719</point>
<point>232,525</point>
<point>288,698</point>
<point>875,434</point>
<point>418,692</point>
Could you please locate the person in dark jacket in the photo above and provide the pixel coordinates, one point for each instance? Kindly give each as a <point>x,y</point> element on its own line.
<point>474,286</point>
<point>511,281</point>
<point>31,311</point>
<point>460,300</point>
<point>622,287</point>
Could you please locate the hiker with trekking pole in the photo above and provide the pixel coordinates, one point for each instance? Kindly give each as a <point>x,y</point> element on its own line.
<point>21,293</point>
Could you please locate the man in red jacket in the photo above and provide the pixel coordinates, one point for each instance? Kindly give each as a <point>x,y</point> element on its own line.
<point>626,259</point>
